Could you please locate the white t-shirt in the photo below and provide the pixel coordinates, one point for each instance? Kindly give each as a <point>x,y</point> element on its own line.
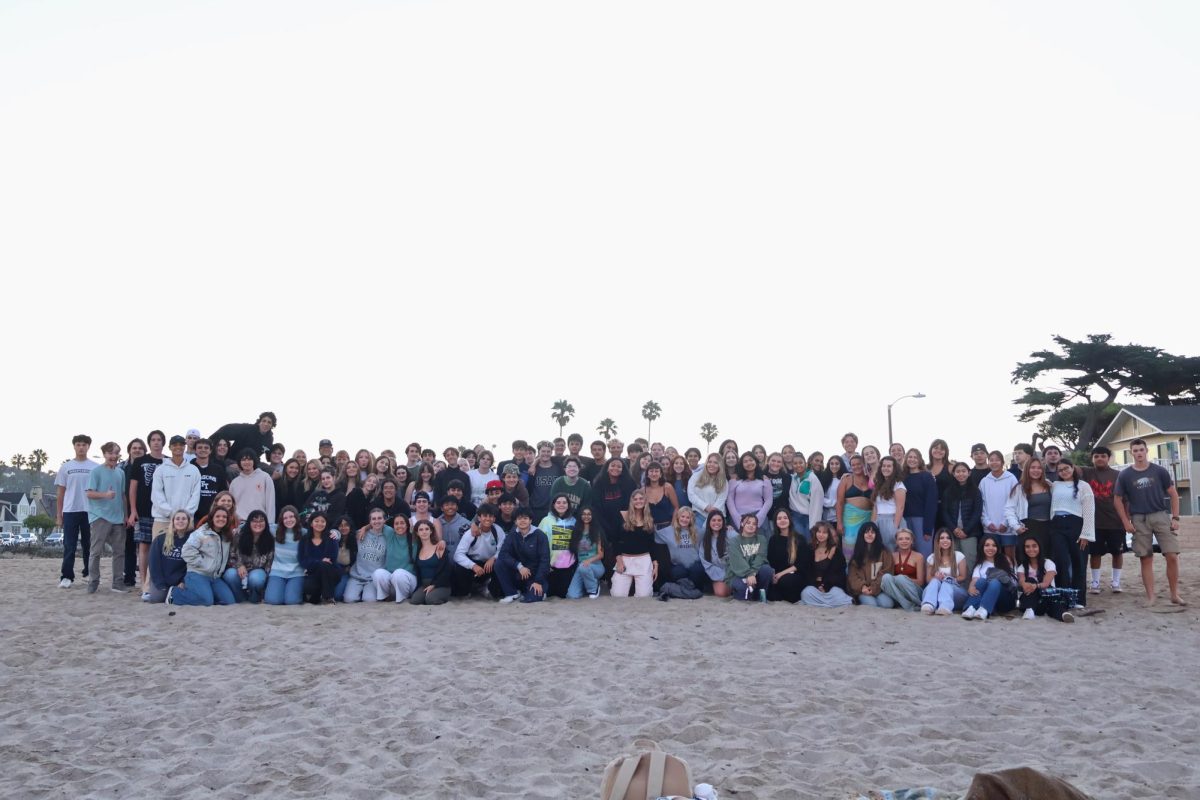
<point>889,506</point>
<point>72,480</point>
<point>981,570</point>
<point>944,571</point>
<point>1049,567</point>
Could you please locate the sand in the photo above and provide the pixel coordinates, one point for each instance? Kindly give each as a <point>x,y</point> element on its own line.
<point>104,696</point>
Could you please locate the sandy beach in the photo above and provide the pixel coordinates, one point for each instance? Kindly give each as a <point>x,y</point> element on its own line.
<point>104,696</point>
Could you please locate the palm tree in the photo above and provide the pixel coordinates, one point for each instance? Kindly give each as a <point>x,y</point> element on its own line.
<point>561,412</point>
<point>18,461</point>
<point>708,432</point>
<point>607,428</point>
<point>37,460</point>
<point>651,411</point>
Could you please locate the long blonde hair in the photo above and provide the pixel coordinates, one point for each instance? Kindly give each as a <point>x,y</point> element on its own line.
<point>169,536</point>
<point>691,527</point>
<point>718,481</point>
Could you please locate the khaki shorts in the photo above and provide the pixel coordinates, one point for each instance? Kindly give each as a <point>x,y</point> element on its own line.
<point>161,526</point>
<point>1147,528</point>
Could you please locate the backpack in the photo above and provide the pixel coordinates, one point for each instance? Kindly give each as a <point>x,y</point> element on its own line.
<point>647,775</point>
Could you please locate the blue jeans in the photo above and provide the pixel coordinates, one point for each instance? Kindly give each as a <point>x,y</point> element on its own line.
<point>801,524</point>
<point>876,601</point>
<point>511,583</point>
<point>201,590</point>
<point>76,530</point>
<point>586,580</point>
<point>992,598</point>
<point>920,543</point>
<point>284,591</point>
<point>762,580</point>
<point>341,585</point>
<point>944,593</point>
<point>256,580</point>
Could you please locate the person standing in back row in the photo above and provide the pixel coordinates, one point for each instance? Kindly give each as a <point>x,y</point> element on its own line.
<point>1143,491</point>
<point>1110,533</point>
<point>257,437</point>
<point>72,482</point>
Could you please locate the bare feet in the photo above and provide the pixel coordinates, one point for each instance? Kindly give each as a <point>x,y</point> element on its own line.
<point>1177,600</point>
<point>1149,602</point>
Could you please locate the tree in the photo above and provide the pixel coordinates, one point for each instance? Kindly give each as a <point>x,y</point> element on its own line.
<point>561,412</point>
<point>37,460</point>
<point>18,461</point>
<point>607,428</point>
<point>708,432</point>
<point>1091,374</point>
<point>651,411</point>
<point>40,523</point>
<point>1064,425</point>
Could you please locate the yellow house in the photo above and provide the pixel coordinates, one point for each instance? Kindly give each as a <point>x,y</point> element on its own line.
<point>1172,434</point>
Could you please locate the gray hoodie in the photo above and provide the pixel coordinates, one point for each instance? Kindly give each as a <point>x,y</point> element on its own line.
<point>684,554</point>
<point>206,553</point>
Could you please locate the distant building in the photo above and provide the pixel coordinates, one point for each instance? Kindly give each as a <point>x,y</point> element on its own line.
<point>1172,434</point>
<point>16,507</point>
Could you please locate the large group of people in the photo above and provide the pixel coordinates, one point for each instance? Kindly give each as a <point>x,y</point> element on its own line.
<point>232,518</point>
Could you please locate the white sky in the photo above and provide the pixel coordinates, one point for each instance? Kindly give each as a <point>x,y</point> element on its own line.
<point>431,220</point>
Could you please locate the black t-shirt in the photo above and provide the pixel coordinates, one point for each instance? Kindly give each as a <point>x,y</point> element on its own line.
<point>212,481</point>
<point>978,474</point>
<point>142,472</point>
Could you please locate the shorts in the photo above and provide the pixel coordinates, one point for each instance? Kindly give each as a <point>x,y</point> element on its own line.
<point>1147,528</point>
<point>144,532</point>
<point>1109,541</point>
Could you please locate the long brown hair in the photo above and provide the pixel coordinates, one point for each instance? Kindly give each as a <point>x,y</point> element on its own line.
<point>885,487</point>
<point>1027,481</point>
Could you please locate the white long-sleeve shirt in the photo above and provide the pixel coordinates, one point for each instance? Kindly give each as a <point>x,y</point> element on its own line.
<point>1064,500</point>
<point>995,493</point>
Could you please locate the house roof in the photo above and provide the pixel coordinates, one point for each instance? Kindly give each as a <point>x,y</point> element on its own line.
<point>11,497</point>
<point>1164,419</point>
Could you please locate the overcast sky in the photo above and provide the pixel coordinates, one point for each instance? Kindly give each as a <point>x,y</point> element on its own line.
<point>431,220</point>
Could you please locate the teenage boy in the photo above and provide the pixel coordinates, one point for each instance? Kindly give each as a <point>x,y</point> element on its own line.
<point>694,457</point>
<point>212,477</point>
<point>574,445</point>
<point>850,445</point>
<point>1110,533</point>
<point>616,448</point>
<point>253,489</point>
<point>542,476</point>
<point>523,565</point>
<point>72,508</point>
<point>106,515</point>
<point>507,518</point>
<point>454,525</point>
<point>1021,455</point>
<point>591,467</point>
<point>192,436</point>
<point>572,485</point>
<point>458,490</point>
<point>413,454</point>
<point>325,449</point>
<point>454,471</point>
<point>141,515</point>
<point>256,437</point>
<point>176,487</point>
<point>979,455</point>
<point>475,557</point>
<point>1143,490</point>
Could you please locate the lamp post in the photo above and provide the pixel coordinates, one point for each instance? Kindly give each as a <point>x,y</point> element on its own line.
<point>918,395</point>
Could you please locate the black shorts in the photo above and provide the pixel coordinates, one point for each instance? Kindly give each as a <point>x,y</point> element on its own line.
<point>1109,541</point>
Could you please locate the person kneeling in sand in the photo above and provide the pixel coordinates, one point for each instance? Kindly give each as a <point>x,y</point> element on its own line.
<point>206,553</point>
<point>167,567</point>
<point>433,567</point>
<point>474,570</point>
<point>523,565</point>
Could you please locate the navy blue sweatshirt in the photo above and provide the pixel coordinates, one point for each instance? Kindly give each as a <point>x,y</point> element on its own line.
<point>167,570</point>
<point>311,555</point>
<point>531,551</point>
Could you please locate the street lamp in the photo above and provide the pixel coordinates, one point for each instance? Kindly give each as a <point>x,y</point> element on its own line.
<point>918,395</point>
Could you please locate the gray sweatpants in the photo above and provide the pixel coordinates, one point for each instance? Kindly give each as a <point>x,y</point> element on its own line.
<point>112,534</point>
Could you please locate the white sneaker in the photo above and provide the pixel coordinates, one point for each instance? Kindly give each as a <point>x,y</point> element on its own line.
<point>170,600</point>
<point>981,614</point>
<point>926,608</point>
<point>943,612</point>
<point>1095,589</point>
<point>595,596</point>
<point>510,598</point>
<point>1116,588</point>
<point>65,583</point>
<point>1028,614</point>
<point>1068,616</point>
<point>969,613</point>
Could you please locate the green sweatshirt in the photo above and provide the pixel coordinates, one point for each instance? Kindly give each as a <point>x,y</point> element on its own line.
<point>744,556</point>
<point>397,552</point>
